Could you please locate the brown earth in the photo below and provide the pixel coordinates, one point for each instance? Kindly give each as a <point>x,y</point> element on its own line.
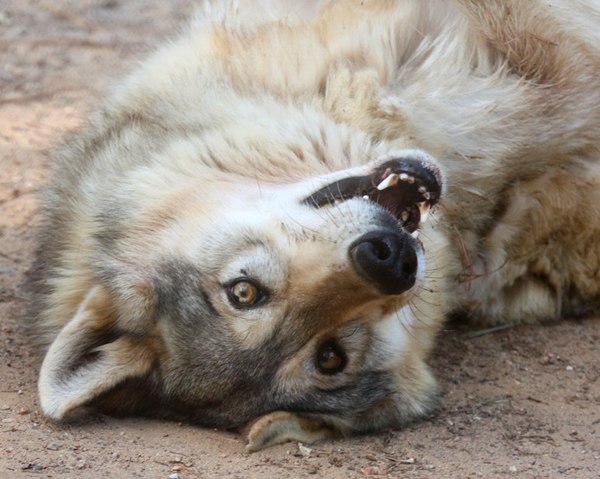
<point>522,402</point>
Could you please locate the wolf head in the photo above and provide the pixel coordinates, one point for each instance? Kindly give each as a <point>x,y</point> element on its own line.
<point>220,298</point>
<point>221,252</point>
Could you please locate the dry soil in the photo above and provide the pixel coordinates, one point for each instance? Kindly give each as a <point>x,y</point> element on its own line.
<point>521,402</point>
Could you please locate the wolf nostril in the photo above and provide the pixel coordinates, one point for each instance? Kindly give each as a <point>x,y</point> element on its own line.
<point>387,258</point>
<point>380,249</point>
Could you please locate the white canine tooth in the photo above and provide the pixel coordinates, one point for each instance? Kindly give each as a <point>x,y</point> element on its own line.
<point>391,180</point>
<point>366,197</point>
<point>410,179</point>
<point>404,216</point>
<point>427,195</point>
<point>422,189</point>
<point>424,209</point>
<point>415,234</point>
<point>403,176</point>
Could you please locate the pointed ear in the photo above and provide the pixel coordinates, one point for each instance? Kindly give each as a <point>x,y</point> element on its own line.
<point>90,357</point>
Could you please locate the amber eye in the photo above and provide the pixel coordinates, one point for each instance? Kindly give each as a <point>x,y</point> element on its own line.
<point>331,358</point>
<point>244,293</point>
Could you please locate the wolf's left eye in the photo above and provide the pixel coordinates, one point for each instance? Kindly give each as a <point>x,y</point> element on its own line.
<point>245,293</point>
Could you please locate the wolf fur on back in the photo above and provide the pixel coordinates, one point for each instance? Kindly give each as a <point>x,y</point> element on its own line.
<point>229,128</point>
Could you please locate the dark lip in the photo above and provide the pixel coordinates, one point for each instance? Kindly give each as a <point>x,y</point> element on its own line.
<point>425,186</point>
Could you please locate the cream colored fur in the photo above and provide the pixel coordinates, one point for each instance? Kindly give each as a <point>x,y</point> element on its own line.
<point>504,95</point>
<point>519,148</point>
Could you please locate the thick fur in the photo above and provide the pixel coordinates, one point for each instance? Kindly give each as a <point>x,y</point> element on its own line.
<point>194,172</point>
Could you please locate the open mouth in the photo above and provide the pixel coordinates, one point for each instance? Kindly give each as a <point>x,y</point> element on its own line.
<point>407,188</point>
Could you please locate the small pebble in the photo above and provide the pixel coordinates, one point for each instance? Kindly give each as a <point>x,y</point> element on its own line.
<point>549,359</point>
<point>32,466</point>
<point>371,471</point>
<point>305,451</point>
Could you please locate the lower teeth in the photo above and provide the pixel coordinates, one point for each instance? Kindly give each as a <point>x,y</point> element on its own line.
<point>424,210</point>
<point>391,180</point>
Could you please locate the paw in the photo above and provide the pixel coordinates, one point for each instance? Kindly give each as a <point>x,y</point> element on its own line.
<point>279,427</point>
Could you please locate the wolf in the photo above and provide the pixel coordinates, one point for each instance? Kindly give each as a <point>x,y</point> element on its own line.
<point>266,224</point>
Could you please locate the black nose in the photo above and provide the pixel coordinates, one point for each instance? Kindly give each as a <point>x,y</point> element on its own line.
<point>387,258</point>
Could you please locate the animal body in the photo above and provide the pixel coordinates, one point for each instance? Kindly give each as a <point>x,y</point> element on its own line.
<point>271,217</point>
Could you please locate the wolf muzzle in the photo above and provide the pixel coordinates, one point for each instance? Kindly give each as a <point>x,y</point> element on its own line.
<point>386,258</point>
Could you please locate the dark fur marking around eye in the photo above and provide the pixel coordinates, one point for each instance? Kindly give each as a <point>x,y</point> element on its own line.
<point>365,390</point>
<point>179,283</point>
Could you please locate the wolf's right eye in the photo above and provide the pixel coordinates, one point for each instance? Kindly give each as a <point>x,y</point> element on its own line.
<point>244,293</point>
<point>331,358</point>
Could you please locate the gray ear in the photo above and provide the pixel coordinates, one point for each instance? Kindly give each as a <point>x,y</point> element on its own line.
<point>86,359</point>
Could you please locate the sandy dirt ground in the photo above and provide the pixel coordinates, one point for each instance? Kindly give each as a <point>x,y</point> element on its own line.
<point>522,402</point>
